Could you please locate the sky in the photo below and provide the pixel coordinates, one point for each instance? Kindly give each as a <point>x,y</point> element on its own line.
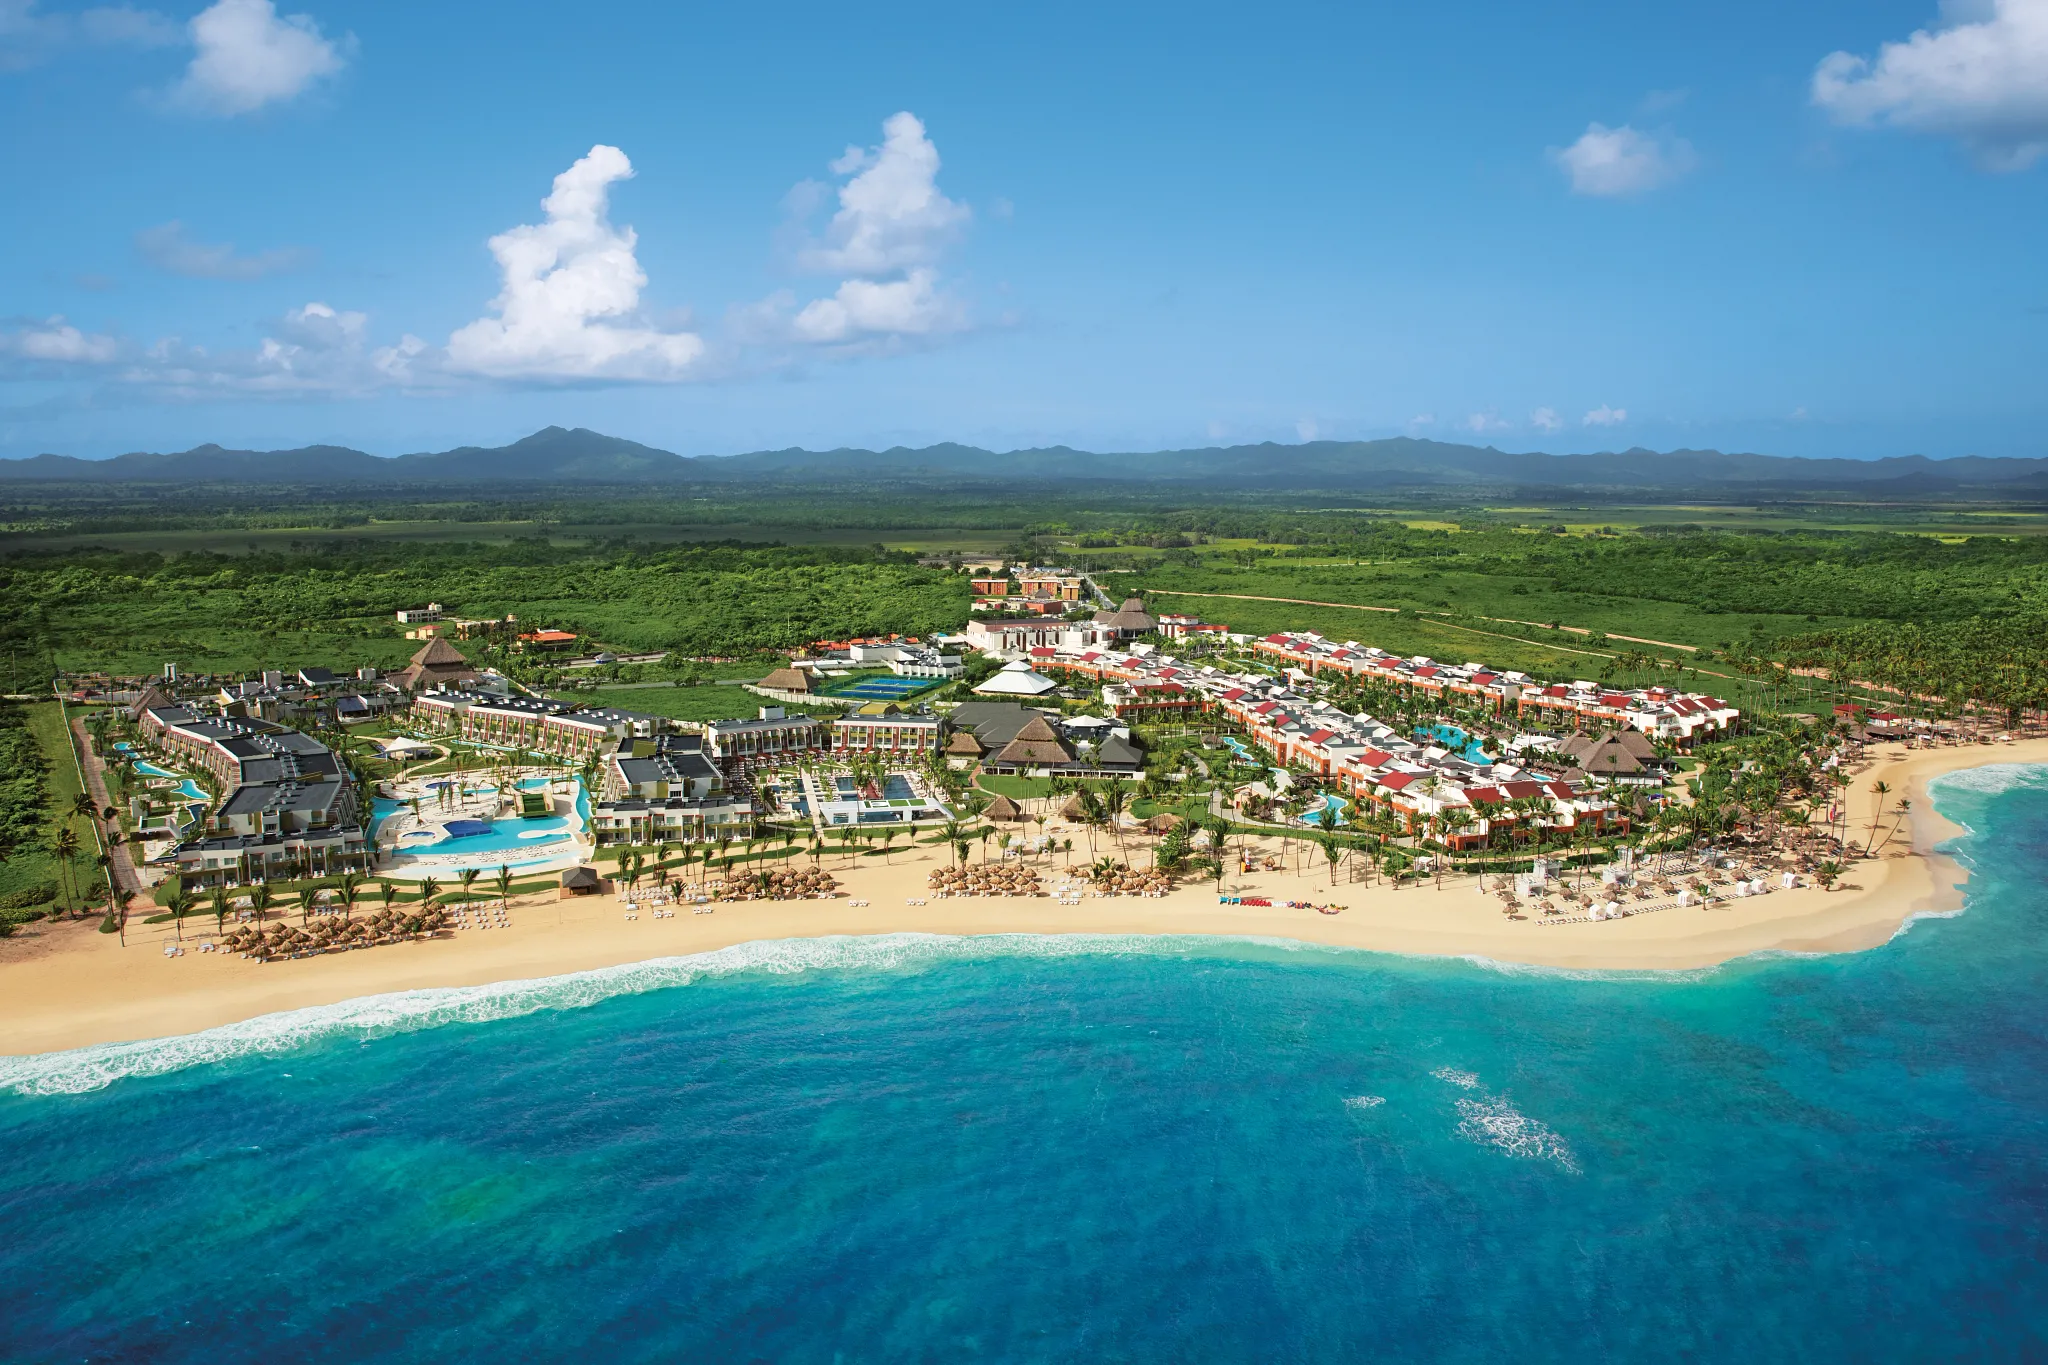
<point>1818,229</point>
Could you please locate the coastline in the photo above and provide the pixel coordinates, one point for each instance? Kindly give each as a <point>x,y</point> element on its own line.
<point>70,986</point>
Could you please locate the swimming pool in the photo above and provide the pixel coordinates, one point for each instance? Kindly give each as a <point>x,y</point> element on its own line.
<point>1314,814</point>
<point>1454,739</point>
<point>186,787</point>
<point>475,836</point>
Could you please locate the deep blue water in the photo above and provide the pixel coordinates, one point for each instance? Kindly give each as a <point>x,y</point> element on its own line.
<point>936,1150</point>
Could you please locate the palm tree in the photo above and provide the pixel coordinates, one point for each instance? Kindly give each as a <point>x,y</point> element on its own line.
<point>65,847</point>
<point>1880,790</point>
<point>1900,810</point>
<point>1113,802</point>
<point>260,899</point>
<point>468,877</point>
<point>351,888</point>
<point>180,905</point>
<point>1331,853</point>
<point>307,893</point>
<point>429,888</point>
<point>388,892</point>
<point>504,883</point>
<point>218,898</point>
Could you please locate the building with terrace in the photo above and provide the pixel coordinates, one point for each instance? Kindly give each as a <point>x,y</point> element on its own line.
<point>290,803</point>
<point>884,728</point>
<point>666,789</point>
<point>769,737</point>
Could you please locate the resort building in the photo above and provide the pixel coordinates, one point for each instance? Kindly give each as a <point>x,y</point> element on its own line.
<point>1011,635</point>
<point>884,728</point>
<point>237,750</point>
<point>1015,680</point>
<point>437,664</point>
<point>666,789</point>
<point>1128,621</point>
<point>771,735</point>
<point>290,801</point>
<point>540,724</point>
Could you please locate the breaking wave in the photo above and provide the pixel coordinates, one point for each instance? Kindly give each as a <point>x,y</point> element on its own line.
<point>1494,1122</point>
<point>374,1016</point>
<point>1365,1101</point>
<point>1491,1121</point>
<point>1993,779</point>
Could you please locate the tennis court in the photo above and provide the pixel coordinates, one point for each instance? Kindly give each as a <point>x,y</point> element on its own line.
<point>889,688</point>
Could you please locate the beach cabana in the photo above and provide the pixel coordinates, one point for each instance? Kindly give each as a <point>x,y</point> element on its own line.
<point>581,881</point>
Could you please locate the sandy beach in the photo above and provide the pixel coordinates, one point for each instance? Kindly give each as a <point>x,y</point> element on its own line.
<point>66,985</point>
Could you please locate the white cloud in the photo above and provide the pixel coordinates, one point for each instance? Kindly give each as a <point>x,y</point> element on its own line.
<point>1604,416</point>
<point>1307,429</point>
<point>1546,419</point>
<point>911,306</point>
<point>1982,79</point>
<point>891,214</point>
<point>1421,420</point>
<point>565,282</point>
<point>1613,162</point>
<point>57,342</point>
<point>891,228</point>
<point>248,57</point>
<point>28,37</point>
<point>168,248</point>
<point>1481,422</point>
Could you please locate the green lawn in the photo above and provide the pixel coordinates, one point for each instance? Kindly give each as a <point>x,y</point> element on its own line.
<point>30,865</point>
<point>710,701</point>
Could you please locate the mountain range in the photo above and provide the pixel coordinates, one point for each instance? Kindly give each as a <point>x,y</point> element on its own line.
<point>571,457</point>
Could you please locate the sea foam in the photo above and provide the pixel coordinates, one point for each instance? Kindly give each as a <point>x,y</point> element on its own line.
<point>1993,779</point>
<point>91,1068</point>
<point>1492,1121</point>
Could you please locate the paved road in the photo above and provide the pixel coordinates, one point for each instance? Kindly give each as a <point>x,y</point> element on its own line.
<point>123,867</point>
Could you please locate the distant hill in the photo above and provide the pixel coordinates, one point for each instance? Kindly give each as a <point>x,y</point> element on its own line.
<point>571,457</point>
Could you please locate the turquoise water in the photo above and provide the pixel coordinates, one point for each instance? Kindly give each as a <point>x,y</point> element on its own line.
<point>186,787</point>
<point>508,835</point>
<point>1329,800</point>
<point>1454,738</point>
<point>919,1149</point>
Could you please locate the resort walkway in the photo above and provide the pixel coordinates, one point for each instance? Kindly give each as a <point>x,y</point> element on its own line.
<point>120,865</point>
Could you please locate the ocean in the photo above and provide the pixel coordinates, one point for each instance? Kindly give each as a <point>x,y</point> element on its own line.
<point>1022,1149</point>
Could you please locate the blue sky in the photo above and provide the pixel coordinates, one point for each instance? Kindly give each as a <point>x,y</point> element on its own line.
<point>1813,229</point>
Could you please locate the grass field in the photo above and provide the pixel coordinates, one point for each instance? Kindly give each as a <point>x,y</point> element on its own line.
<point>30,865</point>
<point>709,701</point>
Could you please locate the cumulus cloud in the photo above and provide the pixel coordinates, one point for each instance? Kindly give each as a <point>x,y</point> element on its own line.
<point>248,56</point>
<point>1308,429</point>
<point>911,306</point>
<point>168,248</point>
<point>28,36</point>
<point>1546,419</point>
<point>1604,416</point>
<point>311,350</point>
<point>891,214</point>
<point>1982,80</point>
<point>1615,162</point>
<point>1481,422</point>
<point>568,308</point>
<point>892,226</point>
<point>56,342</point>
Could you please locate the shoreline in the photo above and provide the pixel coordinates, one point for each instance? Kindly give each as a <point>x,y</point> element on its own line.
<point>69,986</point>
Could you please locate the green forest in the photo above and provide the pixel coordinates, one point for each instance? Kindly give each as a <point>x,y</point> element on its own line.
<point>129,613</point>
<point>1941,614</point>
